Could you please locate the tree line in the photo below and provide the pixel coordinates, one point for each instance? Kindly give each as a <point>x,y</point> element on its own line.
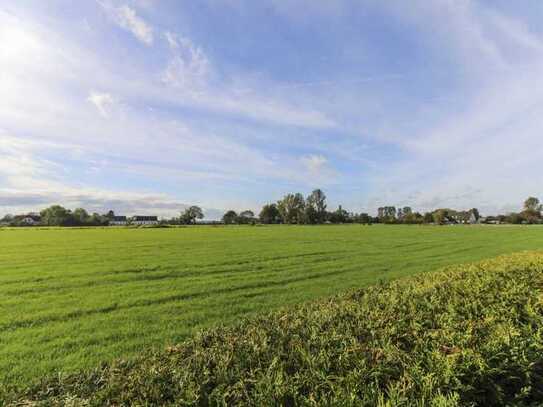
<point>293,208</point>
<point>296,209</point>
<point>57,215</point>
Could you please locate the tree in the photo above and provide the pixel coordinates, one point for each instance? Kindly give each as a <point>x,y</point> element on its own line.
<point>247,214</point>
<point>514,218</point>
<point>80,216</point>
<point>56,215</point>
<point>363,218</point>
<point>96,219</point>
<point>532,210</point>
<point>405,212</point>
<point>532,204</point>
<point>530,216</point>
<point>428,217</point>
<point>246,217</point>
<point>412,218</point>
<point>110,215</point>
<point>440,216</point>
<point>316,207</point>
<point>7,218</point>
<point>340,215</point>
<point>311,215</point>
<point>191,214</point>
<point>291,208</point>
<point>269,214</point>
<point>230,217</point>
<point>387,214</point>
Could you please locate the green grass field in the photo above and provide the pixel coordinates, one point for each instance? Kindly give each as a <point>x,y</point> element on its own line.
<point>70,298</point>
<point>468,335</point>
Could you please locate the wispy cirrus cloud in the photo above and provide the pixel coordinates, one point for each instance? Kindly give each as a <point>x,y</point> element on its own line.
<point>104,102</point>
<point>127,18</point>
<point>189,67</point>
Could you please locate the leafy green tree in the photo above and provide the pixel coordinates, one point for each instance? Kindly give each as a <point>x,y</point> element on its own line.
<point>532,211</point>
<point>189,216</point>
<point>80,216</point>
<point>387,214</point>
<point>440,216</point>
<point>412,218</point>
<point>532,204</point>
<point>230,217</point>
<point>316,207</point>
<point>364,218</point>
<point>7,218</point>
<point>56,215</point>
<point>247,214</point>
<point>404,213</point>
<point>246,217</point>
<point>428,217</point>
<point>311,215</point>
<point>269,214</point>
<point>340,215</point>
<point>98,220</point>
<point>514,218</point>
<point>530,216</point>
<point>291,208</point>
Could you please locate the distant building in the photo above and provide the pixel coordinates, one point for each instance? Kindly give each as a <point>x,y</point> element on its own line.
<point>144,220</point>
<point>118,221</point>
<point>29,220</point>
<point>463,217</point>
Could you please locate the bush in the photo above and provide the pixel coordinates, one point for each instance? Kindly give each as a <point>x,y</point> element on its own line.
<point>468,335</point>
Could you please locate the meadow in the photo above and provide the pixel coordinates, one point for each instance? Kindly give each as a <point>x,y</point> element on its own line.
<point>469,335</point>
<point>72,298</point>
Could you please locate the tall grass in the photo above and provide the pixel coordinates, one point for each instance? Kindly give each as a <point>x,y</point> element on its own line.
<point>467,336</point>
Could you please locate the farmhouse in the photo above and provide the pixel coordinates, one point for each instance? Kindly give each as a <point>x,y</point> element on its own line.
<point>464,217</point>
<point>144,220</point>
<point>118,221</point>
<point>29,220</point>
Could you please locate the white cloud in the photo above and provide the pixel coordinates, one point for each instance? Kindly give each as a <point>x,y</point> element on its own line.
<point>189,67</point>
<point>190,76</point>
<point>314,163</point>
<point>104,102</point>
<point>171,39</point>
<point>317,170</point>
<point>127,19</point>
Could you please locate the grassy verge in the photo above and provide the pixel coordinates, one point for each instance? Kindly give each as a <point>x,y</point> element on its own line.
<point>469,335</point>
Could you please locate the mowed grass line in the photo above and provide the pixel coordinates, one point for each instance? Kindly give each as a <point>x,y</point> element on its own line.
<point>70,298</point>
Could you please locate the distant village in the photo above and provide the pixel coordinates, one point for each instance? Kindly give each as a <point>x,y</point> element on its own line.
<point>292,209</point>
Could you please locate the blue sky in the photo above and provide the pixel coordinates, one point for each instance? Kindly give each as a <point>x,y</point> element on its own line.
<point>145,106</point>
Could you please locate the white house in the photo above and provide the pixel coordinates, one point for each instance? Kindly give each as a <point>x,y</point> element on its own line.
<point>118,221</point>
<point>30,221</point>
<point>144,220</point>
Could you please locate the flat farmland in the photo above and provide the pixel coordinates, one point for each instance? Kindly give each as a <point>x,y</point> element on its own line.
<point>71,298</point>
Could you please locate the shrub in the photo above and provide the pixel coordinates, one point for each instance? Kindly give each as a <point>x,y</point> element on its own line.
<point>468,335</point>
